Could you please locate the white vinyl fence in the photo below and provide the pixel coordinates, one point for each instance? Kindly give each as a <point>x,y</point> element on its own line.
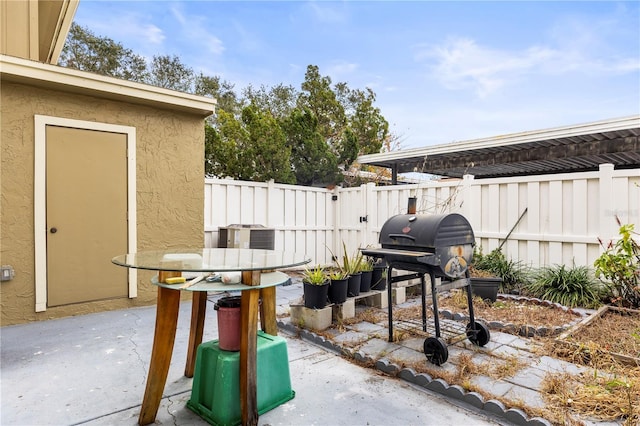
<point>549,219</point>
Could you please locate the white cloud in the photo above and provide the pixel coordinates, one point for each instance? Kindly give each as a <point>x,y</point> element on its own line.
<point>460,63</point>
<point>127,28</point>
<point>339,71</point>
<point>194,29</point>
<point>327,12</point>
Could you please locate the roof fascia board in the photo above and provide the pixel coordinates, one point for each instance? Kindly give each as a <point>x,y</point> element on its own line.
<point>509,139</point>
<point>64,22</point>
<point>82,82</point>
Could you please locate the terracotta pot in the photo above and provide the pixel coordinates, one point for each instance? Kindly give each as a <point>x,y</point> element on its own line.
<point>228,323</point>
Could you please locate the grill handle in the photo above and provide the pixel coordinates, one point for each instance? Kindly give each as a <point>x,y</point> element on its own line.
<point>396,236</point>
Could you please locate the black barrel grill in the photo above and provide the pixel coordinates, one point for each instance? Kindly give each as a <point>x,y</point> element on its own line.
<point>440,246</point>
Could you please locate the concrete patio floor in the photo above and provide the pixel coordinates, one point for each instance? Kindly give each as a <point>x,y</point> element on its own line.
<point>92,369</point>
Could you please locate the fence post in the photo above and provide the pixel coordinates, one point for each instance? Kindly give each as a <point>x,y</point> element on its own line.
<point>467,199</point>
<point>337,206</point>
<point>608,225</point>
<point>270,196</point>
<point>370,214</point>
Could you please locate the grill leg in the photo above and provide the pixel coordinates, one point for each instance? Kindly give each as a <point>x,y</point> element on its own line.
<point>389,303</point>
<point>434,297</point>
<point>472,318</point>
<point>424,302</point>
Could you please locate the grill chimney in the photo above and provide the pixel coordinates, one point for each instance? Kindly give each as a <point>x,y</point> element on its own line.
<point>411,208</point>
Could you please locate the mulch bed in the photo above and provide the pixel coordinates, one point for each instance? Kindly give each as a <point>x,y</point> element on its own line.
<point>612,330</point>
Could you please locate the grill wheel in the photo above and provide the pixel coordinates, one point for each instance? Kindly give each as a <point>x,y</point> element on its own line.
<point>478,333</point>
<point>435,349</point>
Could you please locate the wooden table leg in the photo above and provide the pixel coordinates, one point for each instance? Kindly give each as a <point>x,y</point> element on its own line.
<point>248,357</point>
<point>268,311</point>
<point>163,339</point>
<point>198,311</point>
<point>249,305</point>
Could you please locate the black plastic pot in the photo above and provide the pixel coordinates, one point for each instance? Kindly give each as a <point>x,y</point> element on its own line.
<point>315,296</point>
<point>354,284</point>
<point>338,291</point>
<point>486,287</point>
<point>365,281</point>
<point>379,278</point>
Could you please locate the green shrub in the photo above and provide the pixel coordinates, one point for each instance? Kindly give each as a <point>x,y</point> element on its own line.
<point>514,275</point>
<point>571,287</point>
<point>619,266</point>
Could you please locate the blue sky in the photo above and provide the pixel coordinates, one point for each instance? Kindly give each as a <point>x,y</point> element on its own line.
<point>441,71</point>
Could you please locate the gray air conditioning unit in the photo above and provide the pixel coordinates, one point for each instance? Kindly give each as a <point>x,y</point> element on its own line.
<point>246,236</point>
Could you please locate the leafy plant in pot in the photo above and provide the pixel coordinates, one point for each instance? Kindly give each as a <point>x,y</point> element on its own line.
<point>366,268</point>
<point>315,283</point>
<point>485,283</point>
<point>338,286</point>
<point>350,266</point>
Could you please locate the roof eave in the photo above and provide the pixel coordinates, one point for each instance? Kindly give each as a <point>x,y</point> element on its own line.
<point>86,83</point>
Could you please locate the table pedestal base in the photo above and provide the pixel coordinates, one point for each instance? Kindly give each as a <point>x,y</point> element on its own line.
<point>165,332</point>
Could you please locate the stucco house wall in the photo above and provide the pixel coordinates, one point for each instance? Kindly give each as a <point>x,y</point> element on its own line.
<point>169,178</point>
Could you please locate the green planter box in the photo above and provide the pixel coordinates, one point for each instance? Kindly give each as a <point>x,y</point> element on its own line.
<point>216,381</point>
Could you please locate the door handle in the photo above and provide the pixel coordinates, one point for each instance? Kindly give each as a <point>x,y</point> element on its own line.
<point>53,230</point>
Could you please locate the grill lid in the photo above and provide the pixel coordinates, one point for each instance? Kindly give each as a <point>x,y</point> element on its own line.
<point>425,232</point>
<point>439,244</point>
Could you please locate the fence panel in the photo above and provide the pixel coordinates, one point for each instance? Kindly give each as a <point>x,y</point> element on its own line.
<point>550,219</point>
<point>302,218</point>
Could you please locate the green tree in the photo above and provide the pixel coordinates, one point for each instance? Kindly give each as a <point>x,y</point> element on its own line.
<point>318,96</point>
<point>366,121</point>
<point>312,161</point>
<point>251,148</point>
<point>169,72</point>
<point>266,149</point>
<point>223,144</point>
<point>279,100</point>
<point>221,90</point>
<point>85,51</point>
<point>347,119</point>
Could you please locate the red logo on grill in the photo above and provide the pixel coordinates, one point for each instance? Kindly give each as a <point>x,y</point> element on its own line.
<point>406,230</point>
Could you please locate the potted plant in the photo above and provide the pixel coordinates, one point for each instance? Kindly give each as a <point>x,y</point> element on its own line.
<point>485,282</point>
<point>379,277</point>
<point>366,268</point>
<point>338,286</point>
<point>315,284</point>
<point>350,267</point>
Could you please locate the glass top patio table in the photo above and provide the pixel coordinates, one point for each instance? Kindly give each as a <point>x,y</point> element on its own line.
<point>211,260</point>
<point>258,267</point>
